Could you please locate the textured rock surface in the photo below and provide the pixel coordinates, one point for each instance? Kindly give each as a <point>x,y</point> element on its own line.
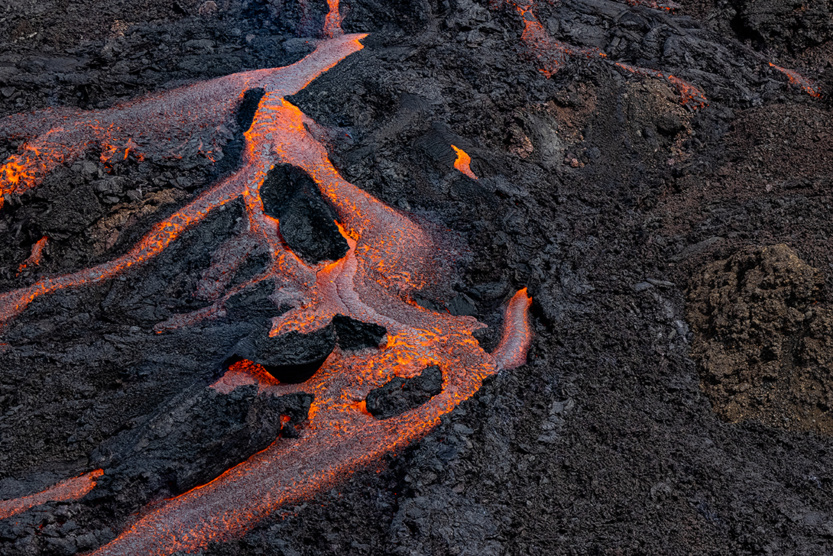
<point>762,337</point>
<point>596,188</point>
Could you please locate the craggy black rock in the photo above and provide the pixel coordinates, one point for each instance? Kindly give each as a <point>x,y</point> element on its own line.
<point>306,221</point>
<point>290,357</point>
<point>354,334</point>
<point>400,394</point>
<point>794,25</point>
<point>167,453</point>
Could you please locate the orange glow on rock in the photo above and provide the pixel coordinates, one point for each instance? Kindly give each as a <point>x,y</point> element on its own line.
<point>553,54</point>
<point>35,257</point>
<point>689,94</point>
<point>390,257</point>
<point>797,79</point>
<point>243,373</point>
<point>462,162</point>
<point>70,489</point>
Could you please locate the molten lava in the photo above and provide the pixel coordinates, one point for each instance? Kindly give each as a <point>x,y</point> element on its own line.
<point>799,80</point>
<point>35,257</point>
<point>463,161</point>
<point>332,22</point>
<point>552,54</point>
<point>390,257</point>
<point>71,489</point>
<point>186,121</point>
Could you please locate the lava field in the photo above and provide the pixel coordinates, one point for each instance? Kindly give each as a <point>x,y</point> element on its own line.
<point>418,278</point>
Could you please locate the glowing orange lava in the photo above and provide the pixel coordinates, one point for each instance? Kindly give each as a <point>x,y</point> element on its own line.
<point>689,94</point>
<point>552,54</point>
<point>797,79</point>
<point>35,257</point>
<point>332,22</point>
<point>71,489</point>
<point>186,121</point>
<point>462,162</point>
<point>390,257</point>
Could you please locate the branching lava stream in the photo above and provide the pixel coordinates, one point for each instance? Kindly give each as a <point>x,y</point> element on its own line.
<point>389,258</point>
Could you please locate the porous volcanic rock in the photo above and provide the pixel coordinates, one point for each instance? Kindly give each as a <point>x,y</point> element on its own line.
<point>763,341</point>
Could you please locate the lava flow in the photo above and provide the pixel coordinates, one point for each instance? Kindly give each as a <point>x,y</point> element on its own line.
<point>183,122</point>
<point>689,94</point>
<point>70,489</point>
<point>35,257</point>
<point>463,162</point>
<point>799,80</point>
<point>389,258</point>
<point>553,54</point>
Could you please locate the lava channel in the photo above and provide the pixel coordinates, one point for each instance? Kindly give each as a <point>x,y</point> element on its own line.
<point>799,80</point>
<point>390,257</point>
<point>553,54</point>
<point>70,489</point>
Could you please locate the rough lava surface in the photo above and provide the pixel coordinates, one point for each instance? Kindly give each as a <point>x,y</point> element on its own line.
<point>656,173</point>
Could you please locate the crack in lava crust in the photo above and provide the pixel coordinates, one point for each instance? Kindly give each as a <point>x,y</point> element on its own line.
<point>70,489</point>
<point>167,125</point>
<point>389,257</point>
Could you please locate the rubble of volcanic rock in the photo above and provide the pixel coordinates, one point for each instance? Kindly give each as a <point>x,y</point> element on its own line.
<point>762,328</point>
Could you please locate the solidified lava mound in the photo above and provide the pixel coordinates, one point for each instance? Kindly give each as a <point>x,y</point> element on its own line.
<point>762,338</point>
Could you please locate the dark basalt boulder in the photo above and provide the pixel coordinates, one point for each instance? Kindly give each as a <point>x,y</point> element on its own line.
<point>401,395</point>
<point>291,357</point>
<point>354,334</point>
<point>167,454</point>
<point>306,221</point>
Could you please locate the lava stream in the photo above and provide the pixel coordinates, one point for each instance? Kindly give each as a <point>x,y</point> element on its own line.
<point>36,255</point>
<point>70,489</point>
<point>553,54</point>
<point>389,258</point>
<point>181,122</point>
<point>279,82</point>
<point>799,80</point>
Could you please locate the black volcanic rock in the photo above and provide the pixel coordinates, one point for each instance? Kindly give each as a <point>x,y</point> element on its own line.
<point>790,24</point>
<point>168,454</point>
<point>400,394</point>
<point>306,221</point>
<point>290,357</point>
<point>354,334</point>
